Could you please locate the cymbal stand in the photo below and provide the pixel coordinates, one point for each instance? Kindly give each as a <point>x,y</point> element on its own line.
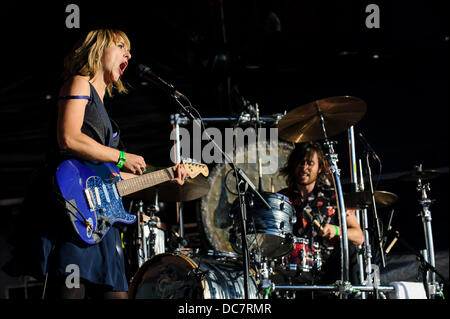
<point>355,184</point>
<point>431,286</point>
<point>332,159</point>
<point>365,227</point>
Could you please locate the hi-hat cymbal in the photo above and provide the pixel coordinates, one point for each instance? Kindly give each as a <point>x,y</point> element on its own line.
<point>193,188</point>
<point>302,124</point>
<point>423,175</point>
<point>361,200</point>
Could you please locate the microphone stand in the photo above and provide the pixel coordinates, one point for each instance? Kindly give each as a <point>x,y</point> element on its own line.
<point>242,181</point>
<point>374,209</point>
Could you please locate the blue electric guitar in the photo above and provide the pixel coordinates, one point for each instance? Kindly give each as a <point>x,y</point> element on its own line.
<point>93,193</point>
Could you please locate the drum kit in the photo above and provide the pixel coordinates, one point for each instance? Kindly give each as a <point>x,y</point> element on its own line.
<point>250,250</point>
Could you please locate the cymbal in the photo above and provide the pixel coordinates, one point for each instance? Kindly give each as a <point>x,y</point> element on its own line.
<point>302,124</point>
<point>193,188</point>
<point>423,175</point>
<point>360,200</point>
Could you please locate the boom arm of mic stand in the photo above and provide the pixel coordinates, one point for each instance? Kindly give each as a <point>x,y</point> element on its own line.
<point>240,175</point>
<point>239,171</point>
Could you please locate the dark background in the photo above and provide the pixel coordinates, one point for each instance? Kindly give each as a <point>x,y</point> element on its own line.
<point>279,54</point>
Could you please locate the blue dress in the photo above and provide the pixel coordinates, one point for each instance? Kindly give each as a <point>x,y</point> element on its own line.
<point>48,242</point>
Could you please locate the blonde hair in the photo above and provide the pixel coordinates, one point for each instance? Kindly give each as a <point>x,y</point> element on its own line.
<point>85,58</point>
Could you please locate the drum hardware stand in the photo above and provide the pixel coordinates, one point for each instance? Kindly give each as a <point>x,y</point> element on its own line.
<point>332,159</point>
<point>425,267</point>
<point>432,288</point>
<point>154,208</point>
<point>266,283</point>
<point>244,118</point>
<point>142,241</point>
<point>255,112</point>
<point>340,287</point>
<point>241,180</point>
<point>367,250</point>
<point>175,121</point>
<point>356,188</point>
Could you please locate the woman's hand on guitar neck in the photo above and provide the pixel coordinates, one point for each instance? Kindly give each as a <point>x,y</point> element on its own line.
<point>134,164</point>
<point>181,175</point>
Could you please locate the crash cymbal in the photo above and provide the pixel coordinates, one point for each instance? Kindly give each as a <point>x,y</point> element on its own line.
<point>360,200</point>
<point>302,124</point>
<point>193,188</point>
<point>423,175</point>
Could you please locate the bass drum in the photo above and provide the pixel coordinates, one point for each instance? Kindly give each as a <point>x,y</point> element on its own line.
<point>216,206</point>
<point>176,276</point>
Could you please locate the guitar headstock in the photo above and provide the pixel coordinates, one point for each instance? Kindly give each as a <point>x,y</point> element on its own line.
<point>195,168</point>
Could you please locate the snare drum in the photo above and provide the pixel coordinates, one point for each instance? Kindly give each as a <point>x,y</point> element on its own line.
<point>301,263</point>
<point>176,276</point>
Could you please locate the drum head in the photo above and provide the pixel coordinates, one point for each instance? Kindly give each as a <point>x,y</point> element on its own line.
<point>173,276</point>
<point>166,276</point>
<point>216,205</point>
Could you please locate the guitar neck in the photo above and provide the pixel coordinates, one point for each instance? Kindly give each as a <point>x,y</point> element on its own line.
<point>133,185</point>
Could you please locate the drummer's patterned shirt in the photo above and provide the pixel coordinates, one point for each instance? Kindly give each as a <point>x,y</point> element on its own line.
<point>320,204</point>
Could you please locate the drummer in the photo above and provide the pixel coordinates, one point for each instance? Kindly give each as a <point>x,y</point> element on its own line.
<point>309,188</point>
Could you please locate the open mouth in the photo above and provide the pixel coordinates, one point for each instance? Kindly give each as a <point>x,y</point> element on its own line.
<point>122,67</point>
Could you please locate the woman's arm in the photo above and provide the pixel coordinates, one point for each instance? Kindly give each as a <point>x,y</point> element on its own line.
<point>71,139</point>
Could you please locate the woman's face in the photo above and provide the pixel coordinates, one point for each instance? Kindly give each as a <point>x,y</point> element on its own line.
<point>115,60</point>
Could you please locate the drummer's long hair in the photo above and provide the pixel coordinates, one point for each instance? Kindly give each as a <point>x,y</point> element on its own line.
<point>300,152</point>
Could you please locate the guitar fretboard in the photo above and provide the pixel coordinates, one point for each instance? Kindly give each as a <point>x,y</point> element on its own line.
<point>132,185</point>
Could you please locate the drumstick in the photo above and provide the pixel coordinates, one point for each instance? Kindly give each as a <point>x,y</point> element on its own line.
<point>391,245</point>
<point>313,220</point>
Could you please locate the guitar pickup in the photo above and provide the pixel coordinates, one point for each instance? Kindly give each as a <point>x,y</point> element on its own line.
<point>105,191</point>
<point>87,193</point>
<point>97,196</point>
<point>116,194</point>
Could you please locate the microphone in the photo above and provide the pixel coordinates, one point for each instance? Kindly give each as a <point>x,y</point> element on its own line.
<point>145,72</point>
<point>368,147</point>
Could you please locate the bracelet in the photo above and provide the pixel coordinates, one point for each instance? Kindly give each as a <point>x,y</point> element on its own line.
<point>121,160</point>
<point>337,230</point>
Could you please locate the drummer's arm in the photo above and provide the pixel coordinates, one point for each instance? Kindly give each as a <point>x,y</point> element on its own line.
<point>354,232</point>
